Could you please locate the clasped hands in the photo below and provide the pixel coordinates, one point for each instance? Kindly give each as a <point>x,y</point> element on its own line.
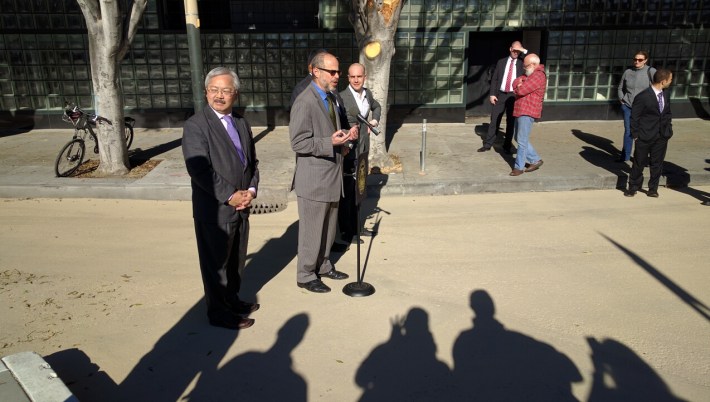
<point>241,199</point>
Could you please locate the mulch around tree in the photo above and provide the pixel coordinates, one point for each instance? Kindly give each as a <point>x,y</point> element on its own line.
<point>139,168</point>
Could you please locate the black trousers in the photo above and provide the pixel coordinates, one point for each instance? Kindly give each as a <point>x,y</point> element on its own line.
<point>505,104</point>
<point>222,248</point>
<point>347,209</point>
<point>648,152</point>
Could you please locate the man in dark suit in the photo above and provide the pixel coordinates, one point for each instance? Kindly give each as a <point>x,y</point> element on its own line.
<point>502,97</point>
<point>357,100</point>
<point>319,144</point>
<point>651,128</point>
<point>221,159</point>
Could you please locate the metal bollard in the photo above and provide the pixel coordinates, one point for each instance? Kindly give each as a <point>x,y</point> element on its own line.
<point>422,153</point>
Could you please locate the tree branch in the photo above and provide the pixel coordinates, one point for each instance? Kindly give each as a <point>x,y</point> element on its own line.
<point>133,22</point>
<point>90,9</point>
<point>358,15</point>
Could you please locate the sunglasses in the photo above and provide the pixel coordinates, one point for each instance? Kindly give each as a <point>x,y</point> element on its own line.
<point>639,60</point>
<point>331,72</point>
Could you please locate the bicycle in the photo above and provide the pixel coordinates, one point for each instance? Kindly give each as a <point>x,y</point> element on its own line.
<point>72,154</point>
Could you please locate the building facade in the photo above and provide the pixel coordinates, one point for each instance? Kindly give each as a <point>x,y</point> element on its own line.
<point>441,69</point>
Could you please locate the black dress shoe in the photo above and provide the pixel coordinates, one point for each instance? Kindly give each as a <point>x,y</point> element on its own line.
<point>245,308</point>
<point>629,193</point>
<point>339,247</point>
<point>333,274</point>
<point>231,321</point>
<point>315,286</point>
<point>652,193</point>
<point>484,149</point>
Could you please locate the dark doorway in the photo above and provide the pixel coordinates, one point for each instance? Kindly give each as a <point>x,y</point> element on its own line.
<point>484,50</point>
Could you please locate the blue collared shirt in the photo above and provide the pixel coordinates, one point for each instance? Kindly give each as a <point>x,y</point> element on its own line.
<point>323,95</point>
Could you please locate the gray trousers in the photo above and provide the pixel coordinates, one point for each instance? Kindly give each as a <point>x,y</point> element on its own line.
<point>316,234</point>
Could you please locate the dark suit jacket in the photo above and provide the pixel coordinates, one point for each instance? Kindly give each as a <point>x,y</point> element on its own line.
<point>319,165</point>
<point>363,142</point>
<point>499,72</point>
<point>303,84</point>
<point>214,165</point>
<point>647,122</point>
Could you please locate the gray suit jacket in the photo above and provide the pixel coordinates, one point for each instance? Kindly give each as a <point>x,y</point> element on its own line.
<point>363,142</point>
<point>214,166</point>
<point>319,164</point>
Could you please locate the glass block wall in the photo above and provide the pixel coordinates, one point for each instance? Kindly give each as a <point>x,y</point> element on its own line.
<point>428,68</point>
<point>586,46</point>
<point>586,65</point>
<point>586,51</point>
<point>44,56</point>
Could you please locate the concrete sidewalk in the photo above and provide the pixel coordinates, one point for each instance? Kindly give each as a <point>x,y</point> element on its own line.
<point>577,155</point>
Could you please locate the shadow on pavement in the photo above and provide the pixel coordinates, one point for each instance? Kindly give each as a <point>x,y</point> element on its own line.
<point>495,363</point>
<point>405,368</point>
<point>620,375</point>
<point>686,297</point>
<point>271,259</point>
<point>259,376</point>
<point>603,154</point>
<point>84,378</point>
<point>146,154</point>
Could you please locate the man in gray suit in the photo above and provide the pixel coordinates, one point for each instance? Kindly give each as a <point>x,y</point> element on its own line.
<point>221,159</point>
<point>319,143</point>
<point>357,100</point>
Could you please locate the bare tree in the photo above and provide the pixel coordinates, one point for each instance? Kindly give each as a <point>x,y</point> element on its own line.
<point>111,26</point>
<point>375,23</point>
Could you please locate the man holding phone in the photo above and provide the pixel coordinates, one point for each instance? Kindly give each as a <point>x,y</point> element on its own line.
<point>320,145</point>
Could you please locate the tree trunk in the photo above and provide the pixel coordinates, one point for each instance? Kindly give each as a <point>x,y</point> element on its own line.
<point>375,24</point>
<point>108,43</point>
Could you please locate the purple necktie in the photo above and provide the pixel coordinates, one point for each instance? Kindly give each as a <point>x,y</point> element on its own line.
<point>660,102</point>
<point>234,135</point>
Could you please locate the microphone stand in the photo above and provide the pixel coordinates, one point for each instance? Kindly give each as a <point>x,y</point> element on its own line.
<point>359,288</point>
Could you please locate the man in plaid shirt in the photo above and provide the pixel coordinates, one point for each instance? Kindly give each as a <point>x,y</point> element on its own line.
<point>529,95</point>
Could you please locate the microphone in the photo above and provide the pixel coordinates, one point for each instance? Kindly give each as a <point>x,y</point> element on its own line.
<point>364,121</point>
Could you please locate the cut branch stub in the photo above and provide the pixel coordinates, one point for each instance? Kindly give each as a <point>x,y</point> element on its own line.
<point>372,50</point>
<point>388,9</point>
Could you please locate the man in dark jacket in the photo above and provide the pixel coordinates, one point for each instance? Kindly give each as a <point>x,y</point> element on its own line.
<point>651,128</point>
<point>221,159</point>
<point>502,96</point>
<point>357,100</point>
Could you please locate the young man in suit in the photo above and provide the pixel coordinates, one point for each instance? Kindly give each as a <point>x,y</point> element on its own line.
<point>651,128</point>
<point>502,96</point>
<point>221,159</point>
<point>320,144</point>
<point>357,100</point>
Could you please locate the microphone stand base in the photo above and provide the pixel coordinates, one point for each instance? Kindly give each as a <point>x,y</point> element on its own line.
<point>358,289</point>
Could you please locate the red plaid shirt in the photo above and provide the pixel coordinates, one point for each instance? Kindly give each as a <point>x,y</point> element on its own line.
<point>530,95</point>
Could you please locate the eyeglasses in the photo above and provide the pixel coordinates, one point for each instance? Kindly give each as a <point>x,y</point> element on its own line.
<point>639,60</point>
<point>332,72</point>
<point>223,91</point>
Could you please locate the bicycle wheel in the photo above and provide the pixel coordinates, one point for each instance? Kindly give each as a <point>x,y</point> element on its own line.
<point>128,131</point>
<point>70,158</point>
